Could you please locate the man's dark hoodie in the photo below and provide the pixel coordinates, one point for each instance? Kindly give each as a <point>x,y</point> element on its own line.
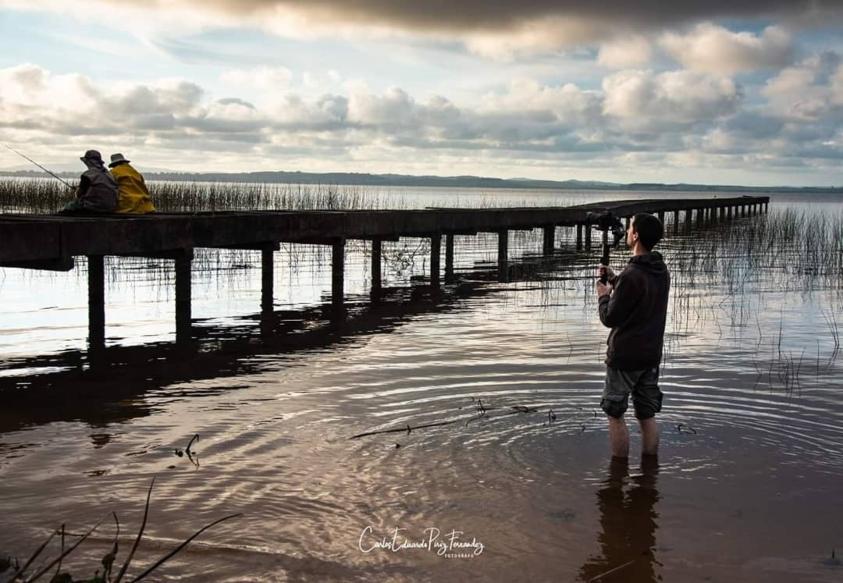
<point>636,312</point>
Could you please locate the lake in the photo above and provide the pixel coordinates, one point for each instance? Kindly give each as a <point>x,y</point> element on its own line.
<point>509,480</point>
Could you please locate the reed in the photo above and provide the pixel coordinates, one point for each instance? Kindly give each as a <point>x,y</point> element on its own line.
<point>27,195</point>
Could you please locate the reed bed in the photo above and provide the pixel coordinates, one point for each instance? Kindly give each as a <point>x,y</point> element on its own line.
<point>27,195</point>
<point>37,195</point>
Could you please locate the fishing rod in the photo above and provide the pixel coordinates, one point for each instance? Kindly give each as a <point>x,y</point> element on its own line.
<point>53,174</point>
<point>606,222</point>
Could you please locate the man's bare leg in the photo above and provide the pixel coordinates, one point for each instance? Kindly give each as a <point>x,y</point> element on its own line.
<point>618,437</point>
<point>649,436</point>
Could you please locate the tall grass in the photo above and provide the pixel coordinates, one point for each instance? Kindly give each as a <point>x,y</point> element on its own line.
<point>33,195</point>
<point>26,195</point>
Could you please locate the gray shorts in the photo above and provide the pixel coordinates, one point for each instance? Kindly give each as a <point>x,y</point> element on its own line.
<point>642,384</point>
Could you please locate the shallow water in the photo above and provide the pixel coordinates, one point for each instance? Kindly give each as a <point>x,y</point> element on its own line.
<point>747,486</point>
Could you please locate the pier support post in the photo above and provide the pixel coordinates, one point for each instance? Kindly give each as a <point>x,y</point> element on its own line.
<point>661,218</point>
<point>435,260</point>
<point>449,257</point>
<point>267,277</point>
<point>96,302</point>
<point>549,240</point>
<point>337,278</point>
<point>729,212</point>
<point>588,235</point>
<point>722,212</point>
<point>688,216</point>
<point>743,211</point>
<point>503,255</point>
<point>699,217</point>
<point>675,222</point>
<point>377,249</point>
<point>579,236</point>
<point>184,260</point>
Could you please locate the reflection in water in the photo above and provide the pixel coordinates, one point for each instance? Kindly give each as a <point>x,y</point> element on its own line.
<point>105,385</point>
<point>628,525</point>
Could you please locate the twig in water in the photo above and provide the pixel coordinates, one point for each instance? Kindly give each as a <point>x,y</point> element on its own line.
<point>516,409</point>
<point>190,453</point>
<point>610,571</point>
<point>481,410</point>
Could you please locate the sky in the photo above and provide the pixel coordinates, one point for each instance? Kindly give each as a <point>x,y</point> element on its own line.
<point>715,92</point>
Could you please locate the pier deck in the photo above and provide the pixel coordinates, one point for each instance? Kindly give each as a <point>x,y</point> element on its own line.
<point>51,242</point>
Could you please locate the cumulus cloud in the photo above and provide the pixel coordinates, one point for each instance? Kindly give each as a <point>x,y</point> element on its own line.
<point>625,52</point>
<point>647,100</point>
<point>810,90</point>
<point>713,49</point>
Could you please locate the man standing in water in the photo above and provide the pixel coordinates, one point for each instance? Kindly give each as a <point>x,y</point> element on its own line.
<point>634,305</point>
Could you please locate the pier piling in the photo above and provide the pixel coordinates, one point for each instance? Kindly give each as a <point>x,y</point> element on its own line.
<point>435,255</point>
<point>337,278</point>
<point>503,255</point>
<point>449,257</point>
<point>549,240</point>
<point>267,276</point>
<point>184,261</point>
<point>377,248</point>
<point>96,302</point>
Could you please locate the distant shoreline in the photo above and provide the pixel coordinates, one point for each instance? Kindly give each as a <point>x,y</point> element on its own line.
<point>359,179</point>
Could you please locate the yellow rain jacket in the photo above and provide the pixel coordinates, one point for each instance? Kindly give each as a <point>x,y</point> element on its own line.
<point>132,196</point>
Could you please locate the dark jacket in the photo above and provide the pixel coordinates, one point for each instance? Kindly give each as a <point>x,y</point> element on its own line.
<point>97,189</point>
<point>636,312</point>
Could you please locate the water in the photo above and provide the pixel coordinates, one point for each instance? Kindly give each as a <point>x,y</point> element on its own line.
<point>746,487</point>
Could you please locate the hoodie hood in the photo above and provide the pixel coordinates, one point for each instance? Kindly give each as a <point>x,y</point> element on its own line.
<point>93,160</point>
<point>94,164</point>
<point>651,262</point>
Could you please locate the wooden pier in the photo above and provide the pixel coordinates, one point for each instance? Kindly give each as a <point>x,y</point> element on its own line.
<point>51,242</point>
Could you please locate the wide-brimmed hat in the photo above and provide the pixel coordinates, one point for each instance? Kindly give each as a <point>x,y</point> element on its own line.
<point>117,159</point>
<point>92,155</point>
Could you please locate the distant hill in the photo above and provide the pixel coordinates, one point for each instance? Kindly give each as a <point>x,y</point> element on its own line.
<point>360,179</point>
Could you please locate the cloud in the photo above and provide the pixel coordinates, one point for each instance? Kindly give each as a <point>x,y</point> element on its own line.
<point>504,30</point>
<point>625,52</point>
<point>713,49</point>
<point>504,15</point>
<point>809,91</point>
<point>647,101</point>
<point>679,117</point>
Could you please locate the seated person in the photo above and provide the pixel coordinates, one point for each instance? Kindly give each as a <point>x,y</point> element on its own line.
<point>97,191</point>
<point>133,197</point>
